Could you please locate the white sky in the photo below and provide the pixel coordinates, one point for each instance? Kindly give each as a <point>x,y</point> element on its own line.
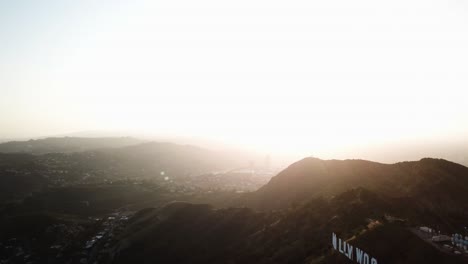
<point>292,76</point>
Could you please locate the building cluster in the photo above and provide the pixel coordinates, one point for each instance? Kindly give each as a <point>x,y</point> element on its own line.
<point>98,247</point>
<point>460,241</point>
<point>456,243</point>
<point>13,251</point>
<point>236,180</point>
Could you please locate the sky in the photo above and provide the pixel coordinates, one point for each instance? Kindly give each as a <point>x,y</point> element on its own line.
<point>308,77</point>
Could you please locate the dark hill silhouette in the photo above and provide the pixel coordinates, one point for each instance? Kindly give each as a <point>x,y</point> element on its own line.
<point>188,233</point>
<point>433,183</point>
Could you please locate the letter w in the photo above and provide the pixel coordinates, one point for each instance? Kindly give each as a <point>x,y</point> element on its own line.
<point>359,254</point>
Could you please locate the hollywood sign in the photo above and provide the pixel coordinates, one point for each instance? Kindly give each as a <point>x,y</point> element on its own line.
<point>353,253</point>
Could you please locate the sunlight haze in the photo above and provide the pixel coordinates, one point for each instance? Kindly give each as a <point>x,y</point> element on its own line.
<point>305,77</point>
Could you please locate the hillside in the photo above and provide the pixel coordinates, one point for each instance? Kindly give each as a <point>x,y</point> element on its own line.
<point>174,159</point>
<point>188,233</point>
<point>66,144</point>
<point>19,175</point>
<point>433,183</point>
<point>22,174</point>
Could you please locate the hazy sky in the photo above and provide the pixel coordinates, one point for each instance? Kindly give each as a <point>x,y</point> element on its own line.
<point>307,76</point>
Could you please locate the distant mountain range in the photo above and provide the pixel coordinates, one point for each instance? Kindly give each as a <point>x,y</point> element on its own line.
<point>66,144</point>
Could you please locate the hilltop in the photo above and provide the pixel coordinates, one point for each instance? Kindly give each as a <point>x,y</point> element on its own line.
<point>433,182</point>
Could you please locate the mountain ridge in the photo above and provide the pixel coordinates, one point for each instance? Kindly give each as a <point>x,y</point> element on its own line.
<point>66,144</point>
<point>313,177</point>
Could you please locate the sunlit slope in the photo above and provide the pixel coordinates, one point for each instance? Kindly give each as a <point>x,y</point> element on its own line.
<point>432,183</point>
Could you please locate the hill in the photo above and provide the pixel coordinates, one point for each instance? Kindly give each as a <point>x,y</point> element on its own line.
<point>21,174</point>
<point>66,144</point>
<point>189,233</point>
<point>433,183</point>
<point>175,159</point>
